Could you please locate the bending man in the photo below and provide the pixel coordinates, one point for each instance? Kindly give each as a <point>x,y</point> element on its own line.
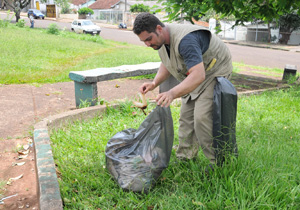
<point>195,57</point>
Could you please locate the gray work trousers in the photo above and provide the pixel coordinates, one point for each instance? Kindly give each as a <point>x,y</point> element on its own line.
<point>196,125</point>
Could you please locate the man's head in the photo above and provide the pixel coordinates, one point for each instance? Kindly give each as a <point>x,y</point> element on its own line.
<point>150,30</point>
<point>146,22</point>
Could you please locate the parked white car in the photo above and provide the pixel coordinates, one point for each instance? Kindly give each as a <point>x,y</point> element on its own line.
<point>85,26</point>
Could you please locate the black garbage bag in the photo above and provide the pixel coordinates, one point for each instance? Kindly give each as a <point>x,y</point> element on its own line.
<point>136,158</point>
<point>224,120</point>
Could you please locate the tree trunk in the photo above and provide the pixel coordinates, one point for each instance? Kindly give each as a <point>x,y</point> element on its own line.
<point>17,6</point>
<point>285,35</point>
<point>17,16</point>
<point>269,33</point>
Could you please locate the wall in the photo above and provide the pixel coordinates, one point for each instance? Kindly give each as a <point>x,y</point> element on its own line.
<point>236,33</point>
<point>294,38</point>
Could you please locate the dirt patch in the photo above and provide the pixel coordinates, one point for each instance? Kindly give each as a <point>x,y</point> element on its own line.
<point>249,80</point>
<point>21,168</point>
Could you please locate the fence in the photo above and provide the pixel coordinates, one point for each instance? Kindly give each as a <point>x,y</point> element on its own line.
<point>109,16</point>
<point>117,17</point>
<point>262,35</point>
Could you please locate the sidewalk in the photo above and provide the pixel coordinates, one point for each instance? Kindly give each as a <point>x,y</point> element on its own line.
<point>24,105</point>
<point>292,48</point>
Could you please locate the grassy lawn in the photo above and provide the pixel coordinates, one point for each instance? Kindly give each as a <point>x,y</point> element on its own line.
<point>34,56</point>
<point>265,176</point>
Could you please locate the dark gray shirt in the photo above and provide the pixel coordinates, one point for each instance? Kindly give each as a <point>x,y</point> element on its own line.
<point>193,46</point>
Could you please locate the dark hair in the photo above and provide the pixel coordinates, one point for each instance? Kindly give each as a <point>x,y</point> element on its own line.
<point>146,22</point>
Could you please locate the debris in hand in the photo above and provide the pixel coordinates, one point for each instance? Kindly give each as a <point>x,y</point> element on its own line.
<point>142,105</point>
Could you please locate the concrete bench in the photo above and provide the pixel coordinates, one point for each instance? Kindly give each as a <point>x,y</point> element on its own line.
<point>86,81</point>
<point>289,71</point>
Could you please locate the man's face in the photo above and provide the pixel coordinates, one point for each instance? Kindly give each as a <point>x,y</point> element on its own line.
<point>154,40</point>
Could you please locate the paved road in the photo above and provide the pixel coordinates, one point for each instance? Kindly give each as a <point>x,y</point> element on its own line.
<point>243,54</point>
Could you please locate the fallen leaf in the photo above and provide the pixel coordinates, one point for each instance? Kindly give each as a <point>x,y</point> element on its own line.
<point>26,147</point>
<point>23,152</point>
<point>13,179</point>
<point>197,203</point>
<point>29,141</point>
<point>18,164</point>
<point>47,94</point>
<point>16,178</point>
<point>163,179</point>
<point>66,200</point>
<point>22,156</point>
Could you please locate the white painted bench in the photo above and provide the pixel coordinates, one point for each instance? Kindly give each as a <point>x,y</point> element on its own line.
<point>86,81</point>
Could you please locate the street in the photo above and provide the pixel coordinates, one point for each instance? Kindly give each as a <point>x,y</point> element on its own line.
<point>242,54</point>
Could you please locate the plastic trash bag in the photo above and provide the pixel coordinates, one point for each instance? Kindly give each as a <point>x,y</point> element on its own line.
<point>224,120</point>
<point>136,158</point>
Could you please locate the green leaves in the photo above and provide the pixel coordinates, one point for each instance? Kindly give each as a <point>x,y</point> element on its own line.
<point>139,8</point>
<point>85,11</point>
<point>243,11</point>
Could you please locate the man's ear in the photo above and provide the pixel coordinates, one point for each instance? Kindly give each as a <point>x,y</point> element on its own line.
<point>159,28</point>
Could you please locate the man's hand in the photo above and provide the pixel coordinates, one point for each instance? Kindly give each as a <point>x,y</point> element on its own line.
<point>148,86</point>
<point>165,99</point>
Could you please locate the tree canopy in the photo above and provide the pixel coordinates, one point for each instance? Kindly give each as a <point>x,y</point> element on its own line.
<point>243,11</point>
<point>139,8</point>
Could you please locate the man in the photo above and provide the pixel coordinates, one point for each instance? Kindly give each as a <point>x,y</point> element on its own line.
<point>195,57</point>
<point>31,18</point>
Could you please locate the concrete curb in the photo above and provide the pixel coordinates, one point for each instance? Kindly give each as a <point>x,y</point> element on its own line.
<point>48,187</point>
<point>260,46</point>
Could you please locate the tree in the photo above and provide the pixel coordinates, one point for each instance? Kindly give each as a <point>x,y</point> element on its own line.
<point>243,11</point>
<point>139,8</point>
<point>287,24</point>
<point>17,6</point>
<point>85,11</point>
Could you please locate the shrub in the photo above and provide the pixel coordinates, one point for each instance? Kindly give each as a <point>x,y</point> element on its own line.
<point>53,29</point>
<point>85,11</point>
<point>65,9</point>
<point>21,23</point>
<point>139,8</point>
<point>5,22</point>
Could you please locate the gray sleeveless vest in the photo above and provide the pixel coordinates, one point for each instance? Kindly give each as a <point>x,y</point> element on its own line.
<point>217,54</point>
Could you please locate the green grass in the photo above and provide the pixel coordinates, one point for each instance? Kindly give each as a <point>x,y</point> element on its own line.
<point>267,71</point>
<point>37,57</point>
<point>265,176</point>
<point>34,56</point>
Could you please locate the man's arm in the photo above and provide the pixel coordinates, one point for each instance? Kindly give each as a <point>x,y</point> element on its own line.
<point>195,77</point>
<point>162,75</point>
<point>191,48</point>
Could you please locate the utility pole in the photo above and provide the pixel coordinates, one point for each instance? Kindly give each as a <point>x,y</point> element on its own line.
<point>125,15</point>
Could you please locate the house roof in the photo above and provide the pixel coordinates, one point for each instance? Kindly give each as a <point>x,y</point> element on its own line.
<point>78,2</point>
<point>109,4</point>
<point>103,4</point>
